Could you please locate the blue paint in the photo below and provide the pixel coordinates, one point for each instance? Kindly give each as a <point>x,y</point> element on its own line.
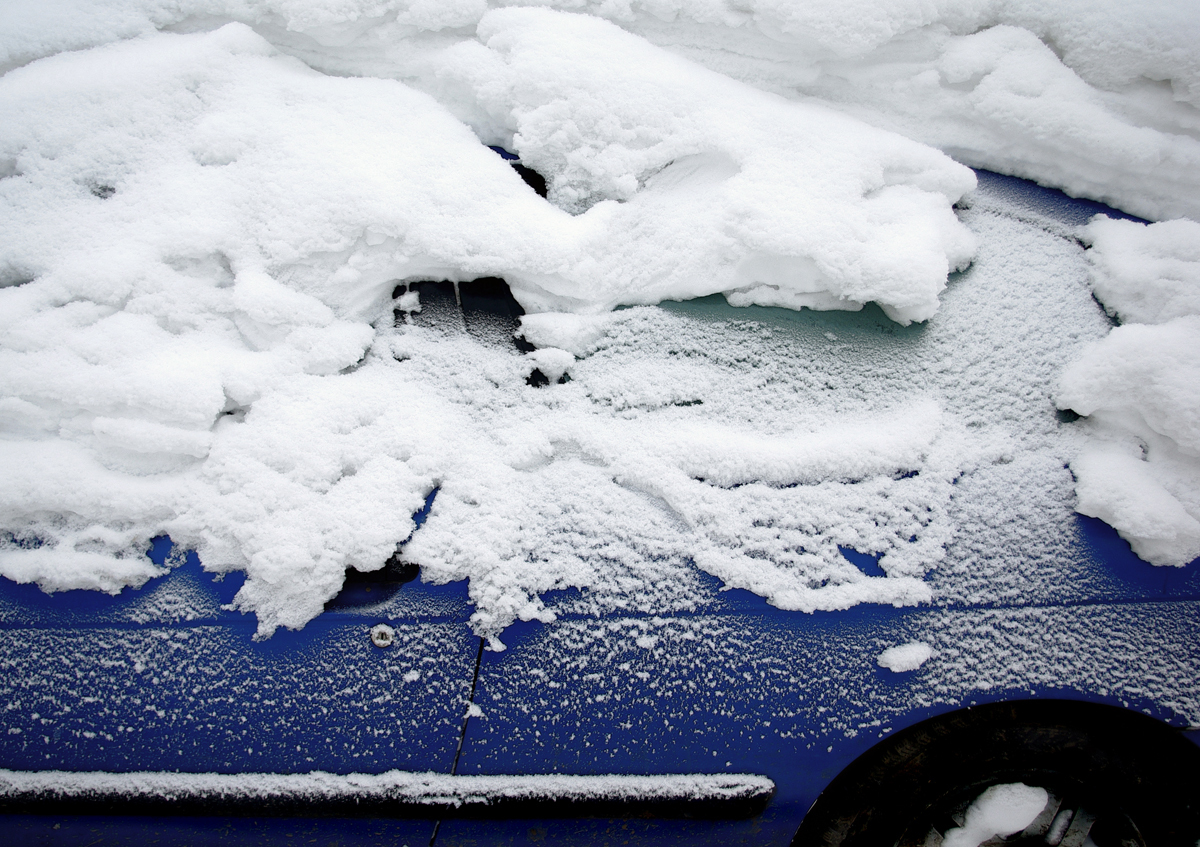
<point>131,682</point>
<point>422,513</point>
<point>868,563</point>
<point>210,698</point>
<point>73,830</point>
<point>1048,201</point>
<point>1130,576</point>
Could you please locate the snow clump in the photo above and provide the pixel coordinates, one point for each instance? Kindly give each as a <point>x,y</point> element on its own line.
<point>905,657</point>
<point>1140,388</point>
<point>695,184</point>
<point>1000,810</point>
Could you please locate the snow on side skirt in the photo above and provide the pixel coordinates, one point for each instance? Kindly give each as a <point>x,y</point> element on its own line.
<point>391,794</point>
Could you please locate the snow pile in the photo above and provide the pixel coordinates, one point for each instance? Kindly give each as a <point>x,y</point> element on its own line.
<point>1140,388</point>
<point>1099,98</point>
<point>1099,122</point>
<point>194,225</point>
<point>721,188</point>
<point>203,234</point>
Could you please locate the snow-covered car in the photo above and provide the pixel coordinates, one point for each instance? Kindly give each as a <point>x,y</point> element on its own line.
<point>714,459</point>
<point>1050,659</point>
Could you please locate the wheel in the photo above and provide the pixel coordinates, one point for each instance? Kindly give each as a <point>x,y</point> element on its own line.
<point>1109,774</point>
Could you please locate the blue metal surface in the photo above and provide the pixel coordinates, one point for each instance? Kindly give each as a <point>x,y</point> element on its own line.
<point>170,678</point>
<point>1048,201</point>
<point>213,832</point>
<point>792,696</point>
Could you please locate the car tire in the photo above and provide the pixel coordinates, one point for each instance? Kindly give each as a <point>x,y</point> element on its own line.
<point>1123,777</point>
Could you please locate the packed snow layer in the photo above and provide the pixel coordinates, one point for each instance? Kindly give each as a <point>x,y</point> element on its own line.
<point>1098,98</point>
<point>1140,388</point>
<point>180,150</point>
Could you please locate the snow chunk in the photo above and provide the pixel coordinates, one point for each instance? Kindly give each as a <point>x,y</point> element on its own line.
<point>1145,274</point>
<point>1140,387</point>
<point>905,657</point>
<point>58,569</point>
<point>551,361</point>
<point>1146,375</point>
<point>575,333</point>
<point>1138,497</point>
<point>1000,810</point>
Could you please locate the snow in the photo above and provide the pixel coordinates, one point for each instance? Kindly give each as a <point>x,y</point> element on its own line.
<point>1140,388</point>
<point>697,184</point>
<point>59,570</point>
<point>428,789</point>
<point>1000,810</point>
<point>1099,98</point>
<point>1145,274</point>
<point>551,361</point>
<point>905,657</point>
<point>208,204</point>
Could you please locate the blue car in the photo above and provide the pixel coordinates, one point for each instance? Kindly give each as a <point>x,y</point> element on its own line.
<point>1046,656</point>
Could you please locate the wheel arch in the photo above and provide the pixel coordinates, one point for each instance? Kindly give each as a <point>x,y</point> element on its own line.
<point>1121,759</point>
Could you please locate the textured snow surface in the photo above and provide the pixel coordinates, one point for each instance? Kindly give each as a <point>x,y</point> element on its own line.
<point>207,206</point>
<point>1140,388</point>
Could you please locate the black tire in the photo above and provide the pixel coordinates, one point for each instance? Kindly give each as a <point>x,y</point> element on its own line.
<point>1137,777</point>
